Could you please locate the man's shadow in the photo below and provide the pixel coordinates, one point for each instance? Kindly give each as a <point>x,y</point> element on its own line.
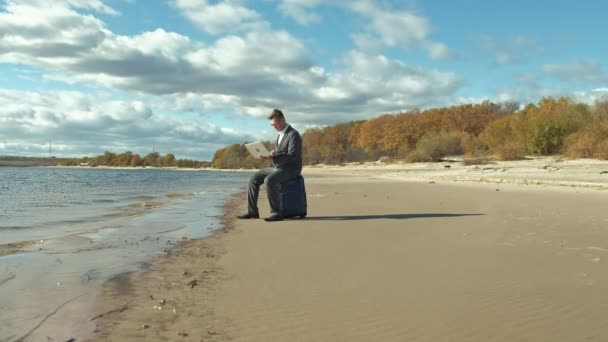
<point>385,216</point>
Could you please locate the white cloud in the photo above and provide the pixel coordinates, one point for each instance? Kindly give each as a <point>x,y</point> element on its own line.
<point>527,78</point>
<point>591,96</point>
<point>30,34</point>
<point>396,28</point>
<point>577,71</point>
<point>393,27</point>
<point>385,26</point>
<point>301,10</point>
<point>533,94</point>
<point>200,103</point>
<point>94,5</point>
<point>528,94</point>
<point>222,17</point>
<point>78,48</point>
<point>367,42</point>
<point>371,84</point>
<point>438,50</point>
<point>87,126</point>
<point>513,50</point>
<point>504,58</point>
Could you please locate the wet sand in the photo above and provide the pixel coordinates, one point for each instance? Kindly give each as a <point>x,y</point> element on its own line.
<point>14,248</point>
<point>382,259</point>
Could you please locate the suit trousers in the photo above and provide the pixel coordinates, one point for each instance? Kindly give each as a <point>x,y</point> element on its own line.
<point>272,178</point>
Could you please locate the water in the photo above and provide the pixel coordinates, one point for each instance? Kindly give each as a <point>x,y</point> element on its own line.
<point>49,200</point>
<point>89,225</point>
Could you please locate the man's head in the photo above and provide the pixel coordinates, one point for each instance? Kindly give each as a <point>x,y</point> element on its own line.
<point>277,120</point>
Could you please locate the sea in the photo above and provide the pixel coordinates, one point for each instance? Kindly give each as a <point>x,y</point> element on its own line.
<point>87,225</point>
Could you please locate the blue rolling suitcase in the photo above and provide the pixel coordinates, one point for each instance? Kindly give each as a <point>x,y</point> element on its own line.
<point>293,198</point>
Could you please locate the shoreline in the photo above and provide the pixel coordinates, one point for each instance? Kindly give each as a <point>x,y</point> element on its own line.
<point>198,269</point>
<point>16,247</point>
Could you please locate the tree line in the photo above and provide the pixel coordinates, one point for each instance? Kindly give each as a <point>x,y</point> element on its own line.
<point>505,131</point>
<point>129,159</point>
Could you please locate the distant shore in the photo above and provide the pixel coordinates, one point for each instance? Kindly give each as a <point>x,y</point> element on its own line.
<point>8,161</point>
<point>543,170</point>
<point>171,168</point>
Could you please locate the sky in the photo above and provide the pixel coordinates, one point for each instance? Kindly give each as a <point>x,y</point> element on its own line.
<point>191,76</point>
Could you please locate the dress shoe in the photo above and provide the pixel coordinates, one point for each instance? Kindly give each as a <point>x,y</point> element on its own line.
<point>274,217</point>
<point>248,216</point>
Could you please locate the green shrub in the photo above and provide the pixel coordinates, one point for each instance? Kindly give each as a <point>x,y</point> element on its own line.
<point>549,138</point>
<point>438,144</point>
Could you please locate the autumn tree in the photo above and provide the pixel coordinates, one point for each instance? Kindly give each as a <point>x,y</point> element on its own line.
<point>168,160</point>
<point>152,159</point>
<point>136,160</point>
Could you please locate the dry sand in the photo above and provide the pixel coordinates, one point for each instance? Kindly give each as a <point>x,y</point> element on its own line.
<point>382,259</point>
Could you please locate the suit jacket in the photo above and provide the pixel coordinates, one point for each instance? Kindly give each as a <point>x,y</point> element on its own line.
<point>289,152</point>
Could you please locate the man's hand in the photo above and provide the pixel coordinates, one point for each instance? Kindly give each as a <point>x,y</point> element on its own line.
<point>272,154</point>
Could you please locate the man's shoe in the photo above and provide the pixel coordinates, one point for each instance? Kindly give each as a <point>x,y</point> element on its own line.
<point>248,216</point>
<point>274,217</point>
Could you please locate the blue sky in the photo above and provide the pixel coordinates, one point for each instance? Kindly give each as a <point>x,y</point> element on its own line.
<point>191,76</point>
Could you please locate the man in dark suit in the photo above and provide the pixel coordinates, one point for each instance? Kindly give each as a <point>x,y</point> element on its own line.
<point>286,165</point>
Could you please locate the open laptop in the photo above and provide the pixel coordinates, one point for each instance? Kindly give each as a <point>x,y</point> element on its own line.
<point>257,149</point>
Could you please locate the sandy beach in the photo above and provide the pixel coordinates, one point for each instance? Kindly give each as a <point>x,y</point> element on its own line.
<point>385,258</point>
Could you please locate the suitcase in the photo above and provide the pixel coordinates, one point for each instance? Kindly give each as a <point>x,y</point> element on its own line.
<point>293,198</point>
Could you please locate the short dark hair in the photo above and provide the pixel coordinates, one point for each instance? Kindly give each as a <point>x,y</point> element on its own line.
<point>276,114</point>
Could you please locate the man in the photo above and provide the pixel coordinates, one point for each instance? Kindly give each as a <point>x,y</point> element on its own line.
<point>286,165</point>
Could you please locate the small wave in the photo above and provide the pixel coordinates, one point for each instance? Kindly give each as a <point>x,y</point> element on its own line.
<point>14,227</point>
<point>78,202</point>
<point>48,205</point>
<point>183,195</point>
<point>142,198</point>
<point>121,214</point>
<point>146,205</point>
<point>94,248</point>
<point>103,201</point>
<point>77,221</point>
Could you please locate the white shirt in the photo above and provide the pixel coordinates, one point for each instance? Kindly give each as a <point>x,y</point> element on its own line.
<point>282,134</point>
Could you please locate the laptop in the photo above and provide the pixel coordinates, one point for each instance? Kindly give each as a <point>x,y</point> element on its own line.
<point>257,149</point>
